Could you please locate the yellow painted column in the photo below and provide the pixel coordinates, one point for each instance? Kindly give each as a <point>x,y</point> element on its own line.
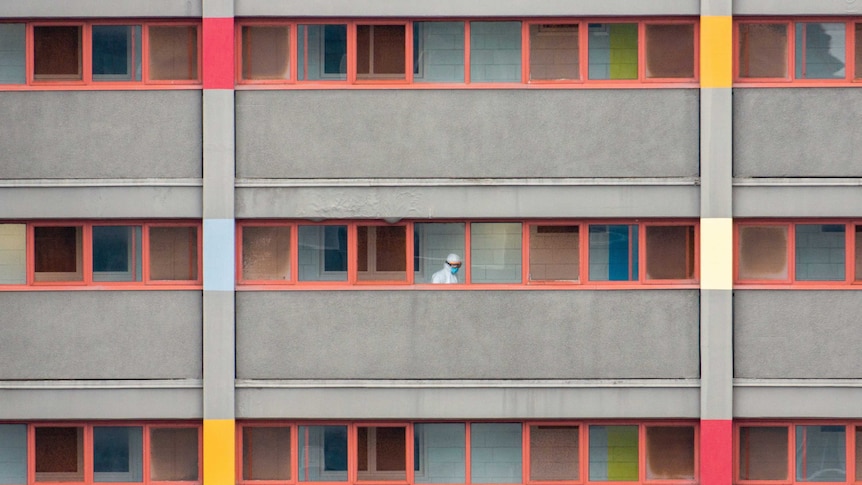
<point>219,453</point>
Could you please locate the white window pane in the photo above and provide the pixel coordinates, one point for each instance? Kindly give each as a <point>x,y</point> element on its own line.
<point>13,254</point>
<point>495,453</point>
<point>820,50</point>
<point>495,52</point>
<point>495,252</point>
<point>13,454</point>
<point>12,54</point>
<point>438,52</point>
<point>440,453</point>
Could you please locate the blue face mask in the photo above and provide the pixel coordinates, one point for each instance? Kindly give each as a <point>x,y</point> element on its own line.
<point>453,269</point>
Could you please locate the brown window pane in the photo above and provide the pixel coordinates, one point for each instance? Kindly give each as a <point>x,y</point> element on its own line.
<point>858,253</point>
<point>670,252</point>
<point>381,453</point>
<point>858,447</point>
<point>382,252</point>
<point>173,52</point>
<point>59,454</point>
<point>670,51</point>
<point>265,253</point>
<point>762,50</point>
<point>173,253</point>
<point>57,52</point>
<point>858,51</point>
<point>554,52</point>
<point>58,253</point>
<point>266,453</point>
<point>554,253</point>
<point>173,454</point>
<point>763,253</point>
<point>670,453</point>
<point>554,453</point>
<point>265,52</point>
<point>763,453</point>
<point>380,51</point>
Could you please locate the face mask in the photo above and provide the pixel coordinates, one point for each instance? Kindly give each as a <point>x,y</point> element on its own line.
<point>453,269</point>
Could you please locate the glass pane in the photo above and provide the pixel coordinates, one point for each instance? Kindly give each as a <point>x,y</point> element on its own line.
<point>322,253</point>
<point>763,253</point>
<point>57,52</point>
<point>381,253</point>
<point>59,454</point>
<point>266,453</point>
<point>322,453</point>
<point>614,252</point>
<point>265,253</point>
<point>265,52</point>
<point>858,253</point>
<point>173,253</point>
<point>440,452</point>
<point>495,453</point>
<point>380,51</point>
<point>116,52</point>
<point>381,453</point>
<point>670,453</point>
<point>670,252</point>
<point>495,52</point>
<point>118,454</point>
<point>438,52</point>
<point>763,453</point>
<point>13,254</point>
<point>173,52</point>
<point>821,454</point>
<point>670,51</point>
<point>820,252</point>
<point>858,446</point>
<point>762,50</point>
<point>58,253</point>
<point>858,50</point>
<point>554,253</point>
<point>13,454</point>
<point>433,243</point>
<point>554,453</point>
<point>820,50</point>
<point>117,253</point>
<point>12,53</point>
<point>174,454</point>
<point>495,252</point>
<point>554,52</point>
<point>613,453</point>
<point>322,53</point>
<point>613,51</point>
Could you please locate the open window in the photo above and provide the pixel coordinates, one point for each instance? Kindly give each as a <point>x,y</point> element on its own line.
<point>381,253</point>
<point>381,453</point>
<point>381,51</point>
<point>322,453</point>
<point>322,52</point>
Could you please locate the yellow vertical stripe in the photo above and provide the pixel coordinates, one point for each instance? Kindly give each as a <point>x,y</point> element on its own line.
<point>219,452</point>
<point>716,253</point>
<point>716,52</point>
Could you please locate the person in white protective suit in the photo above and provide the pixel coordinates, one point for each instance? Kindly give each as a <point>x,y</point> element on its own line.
<point>449,273</point>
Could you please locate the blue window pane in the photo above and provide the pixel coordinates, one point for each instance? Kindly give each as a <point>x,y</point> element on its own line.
<point>117,52</point>
<point>118,454</point>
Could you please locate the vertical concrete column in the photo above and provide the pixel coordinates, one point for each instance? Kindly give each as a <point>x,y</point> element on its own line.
<point>716,243</point>
<point>218,242</point>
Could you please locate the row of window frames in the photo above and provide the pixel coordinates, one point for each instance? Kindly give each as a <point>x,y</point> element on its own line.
<point>98,53</point>
<point>613,51</point>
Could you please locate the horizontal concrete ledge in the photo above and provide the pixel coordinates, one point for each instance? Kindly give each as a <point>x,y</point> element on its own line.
<point>105,384</point>
<point>797,182</point>
<point>150,182</point>
<point>99,8</point>
<point>463,383</point>
<point>797,7</point>
<point>98,202</point>
<point>797,201</point>
<point>453,182</point>
<point>785,383</point>
<point>815,398</point>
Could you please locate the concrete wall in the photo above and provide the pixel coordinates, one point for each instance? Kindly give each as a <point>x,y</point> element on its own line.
<point>467,334</point>
<point>799,132</point>
<point>100,335</point>
<point>796,334</point>
<point>467,133</point>
<point>107,134</point>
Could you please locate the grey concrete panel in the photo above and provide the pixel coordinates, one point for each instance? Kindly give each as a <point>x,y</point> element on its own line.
<point>468,403</point>
<point>796,334</point>
<point>716,156</point>
<point>797,201</point>
<point>716,354</point>
<point>787,400</point>
<point>467,133</point>
<point>467,334</point>
<point>219,354</point>
<point>716,7</point>
<point>799,132</point>
<point>100,202</point>
<point>797,7</point>
<point>99,8</point>
<point>100,335</point>
<point>101,134</point>
<point>476,201</point>
<point>218,146</point>
<point>218,8</point>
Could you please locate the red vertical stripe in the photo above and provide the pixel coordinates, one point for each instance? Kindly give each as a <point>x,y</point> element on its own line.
<point>218,53</point>
<point>716,452</point>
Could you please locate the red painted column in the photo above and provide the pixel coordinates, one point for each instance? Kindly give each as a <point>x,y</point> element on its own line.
<point>218,53</point>
<point>716,452</point>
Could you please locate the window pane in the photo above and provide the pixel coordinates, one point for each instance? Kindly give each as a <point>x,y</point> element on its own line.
<point>858,253</point>
<point>381,453</point>
<point>118,454</point>
<point>13,254</point>
<point>13,454</point>
<point>763,453</point>
<point>670,51</point>
<point>58,252</point>
<point>438,52</point>
<point>613,453</point>
<point>820,50</point>
<point>495,52</point>
<point>440,454</point>
<point>322,52</point>
<point>380,51</point>
<point>382,253</point>
<point>495,252</point>
<point>265,52</point>
<point>762,50</point>
<point>858,50</point>
<point>322,253</point>
<point>173,52</point>
<point>433,242</point>
<point>322,453</point>
<point>116,52</point>
<point>57,52</point>
<point>174,454</point>
<point>613,51</point>
<point>763,252</point>
<point>554,52</point>
<point>614,252</point>
<point>117,253</point>
<point>820,252</point>
<point>266,253</point>
<point>495,453</point>
<point>173,253</point>
<point>670,252</point>
<point>554,453</point>
<point>821,454</point>
<point>266,453</point>
<point>59,454</point>
<point>858,446</point>
<point>12,53</point>
<point>554,253</point>
<point>670,453</point>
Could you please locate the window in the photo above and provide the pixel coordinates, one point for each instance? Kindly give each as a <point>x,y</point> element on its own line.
<point>59,454</point>
<point>174,454</point>
<point>381,453</point>
<point>495,453</point>
<point>266,53</point>
<point>322,454</point>
<point>266,452</point>
<point>554,453</point>
<point>13,454</point>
